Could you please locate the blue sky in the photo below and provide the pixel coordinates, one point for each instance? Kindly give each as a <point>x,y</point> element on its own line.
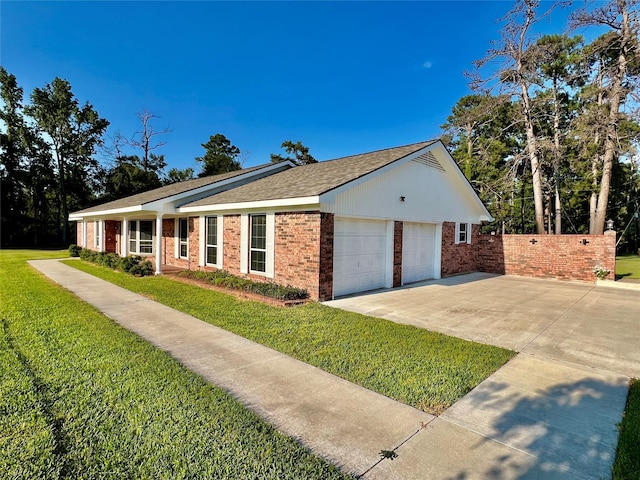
<point>341,77</point>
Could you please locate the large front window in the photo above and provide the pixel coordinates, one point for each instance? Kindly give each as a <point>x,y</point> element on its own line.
<point>211,245</point>
<point>141,236</point>
<point>258,248</point>
<point>184,237</point>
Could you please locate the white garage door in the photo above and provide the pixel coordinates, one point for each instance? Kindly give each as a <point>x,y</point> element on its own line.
<point>418,251</point>
<point>358,256</point>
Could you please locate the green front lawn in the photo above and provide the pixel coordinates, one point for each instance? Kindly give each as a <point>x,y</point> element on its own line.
<point>627,464</point>
<point>427,370</point>
<point>82,398</point>
<point>628,266</point>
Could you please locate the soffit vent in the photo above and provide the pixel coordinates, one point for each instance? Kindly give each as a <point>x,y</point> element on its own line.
<point>429,159</point>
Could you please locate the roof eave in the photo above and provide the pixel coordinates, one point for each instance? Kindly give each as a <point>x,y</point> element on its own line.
<point>262,204</point>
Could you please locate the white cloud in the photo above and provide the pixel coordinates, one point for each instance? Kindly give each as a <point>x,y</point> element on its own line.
<point>427,64</point>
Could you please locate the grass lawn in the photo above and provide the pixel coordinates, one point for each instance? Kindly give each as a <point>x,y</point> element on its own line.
<point>627,464</point>
<point>82,398</point>
<point>427,370</point>
<point>628,266</point>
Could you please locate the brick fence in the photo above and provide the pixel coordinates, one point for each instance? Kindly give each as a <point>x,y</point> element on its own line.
<point>564,257</point>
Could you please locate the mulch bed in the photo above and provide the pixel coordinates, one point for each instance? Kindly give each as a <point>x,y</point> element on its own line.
<point>240,294</point>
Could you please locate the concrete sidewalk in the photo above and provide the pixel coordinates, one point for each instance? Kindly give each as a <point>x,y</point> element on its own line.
<point>534,418</point>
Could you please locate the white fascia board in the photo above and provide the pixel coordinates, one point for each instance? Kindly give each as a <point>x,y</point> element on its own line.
<point>167,205</point>
<point>103,213</point>
<point>329,197</point>
<point>264,204</point>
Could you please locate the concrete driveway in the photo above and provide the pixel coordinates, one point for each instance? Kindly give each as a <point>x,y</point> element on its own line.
<point>576,323</point>
<point>549,413</point>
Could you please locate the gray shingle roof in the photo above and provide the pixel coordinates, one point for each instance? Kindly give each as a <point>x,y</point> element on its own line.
<point>166,191</point>
<point>311,180</point>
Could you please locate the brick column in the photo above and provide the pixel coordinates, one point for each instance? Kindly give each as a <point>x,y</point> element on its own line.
<point>397,253</point>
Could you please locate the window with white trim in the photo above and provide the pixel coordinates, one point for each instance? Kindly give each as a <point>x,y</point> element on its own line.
<point>141,236</point>
<point>258,243</point>
<point>183,235</point>
<point>98,234</point>
<point>211,240</point>
<point>463,233</point>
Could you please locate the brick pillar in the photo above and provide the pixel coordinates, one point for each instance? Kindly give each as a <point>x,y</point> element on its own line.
<point>397,253</point>
<point>325,282</point>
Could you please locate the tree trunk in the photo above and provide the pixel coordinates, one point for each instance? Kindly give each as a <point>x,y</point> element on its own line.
<point>616,97</point>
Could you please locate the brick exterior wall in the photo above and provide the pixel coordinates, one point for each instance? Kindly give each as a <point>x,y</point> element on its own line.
<point>563,257</point>
<point>91,236</point>
<point>300,237</point>
<point>297,250</point>
<point>327,228</point>
<point>79,234</point>
<point>458,258</point>
<point>169,242</point>
<point>231,247</point>
<point>397,253</point>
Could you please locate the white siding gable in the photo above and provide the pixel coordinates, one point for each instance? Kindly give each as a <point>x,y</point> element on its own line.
<point>433,189</point>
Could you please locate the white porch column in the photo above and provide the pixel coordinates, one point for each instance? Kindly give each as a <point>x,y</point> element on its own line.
<point>124,237</point>
<point>84,233</point>
<point>158,245</point>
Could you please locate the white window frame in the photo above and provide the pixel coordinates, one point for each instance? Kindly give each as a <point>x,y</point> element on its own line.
<point>137,240</point>
<point>466,231</point>
<point>245,240</point>
<point>97,234</point>
<point>217,221</point>
<point>253,249</point>
<point>183,243</point>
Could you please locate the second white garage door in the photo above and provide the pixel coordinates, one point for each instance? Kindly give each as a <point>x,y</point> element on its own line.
<point>418,251</point>
<point>359,256</point>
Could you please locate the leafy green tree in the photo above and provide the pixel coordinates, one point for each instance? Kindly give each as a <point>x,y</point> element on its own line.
<point>616,58</point>
<point>513,77</point>
<point>176,175</point>
<point>553,63</point>
<point>13,159</point>
<point>300,154</point>
<point>73,133</point>
<point>220,156</point>
<point>128,177</point>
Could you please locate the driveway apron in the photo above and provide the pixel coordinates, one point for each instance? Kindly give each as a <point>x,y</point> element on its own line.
<point>552,411</point>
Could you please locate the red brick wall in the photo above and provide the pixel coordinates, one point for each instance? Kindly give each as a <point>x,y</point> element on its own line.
<point>461,257</point>
<point>397,253</point>
<point>563,257</point>
<point>79,234</point>
<point>327,226</point>
<point>91,235</point>
<point>297,250</point>
<point>231,246</point>
<point>169,244</point>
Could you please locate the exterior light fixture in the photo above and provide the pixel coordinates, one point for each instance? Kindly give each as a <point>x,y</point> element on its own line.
<point>402,199</point>
<point>609,224</point>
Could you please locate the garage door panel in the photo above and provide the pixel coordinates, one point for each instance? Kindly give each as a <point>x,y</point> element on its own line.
<point>418,251</point>
<point>359,256</point>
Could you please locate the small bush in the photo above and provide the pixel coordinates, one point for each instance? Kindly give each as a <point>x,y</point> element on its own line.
<point>88,255</point>
<point>74,250</point>
<point>132,264</point>
<point>222,278</point>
